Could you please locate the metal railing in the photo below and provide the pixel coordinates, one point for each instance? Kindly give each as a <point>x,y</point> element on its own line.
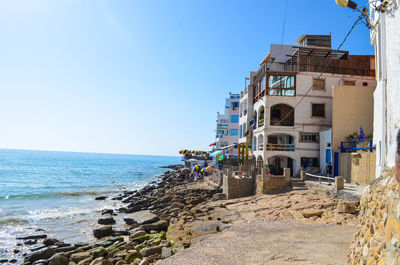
<point>280,147</point>
<point>320,177</point>
<point>353,146</point>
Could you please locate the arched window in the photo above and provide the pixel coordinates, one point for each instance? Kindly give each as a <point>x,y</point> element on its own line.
<point>254,143</point>
<point>260,142</point>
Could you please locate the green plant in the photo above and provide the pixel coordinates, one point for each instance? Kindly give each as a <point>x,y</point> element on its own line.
<point>352,137</point>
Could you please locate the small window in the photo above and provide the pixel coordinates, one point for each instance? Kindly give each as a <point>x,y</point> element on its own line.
<point>233,131</point>
<point>309,137</point>
<point>365,83</point>
<point>235,105</point>
<point>319,84</point>
<point>234,118</point>
<point>318,110</point>
<point>348,83</point>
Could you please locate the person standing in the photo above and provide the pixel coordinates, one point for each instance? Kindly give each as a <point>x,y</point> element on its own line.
<point>330,169</point>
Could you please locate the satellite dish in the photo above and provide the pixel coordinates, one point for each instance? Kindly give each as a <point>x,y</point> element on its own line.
<point>251,122</point>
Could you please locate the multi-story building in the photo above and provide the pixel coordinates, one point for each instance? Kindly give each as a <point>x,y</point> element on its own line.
<point>292,101</point>
<point>227,133</point>
<point>245,117</point>
<point>385,36</point>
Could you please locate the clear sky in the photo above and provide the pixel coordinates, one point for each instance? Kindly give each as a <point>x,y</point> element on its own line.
<point>140,77</point>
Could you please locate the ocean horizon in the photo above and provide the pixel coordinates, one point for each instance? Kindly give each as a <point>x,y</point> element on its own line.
<point>55,190</point>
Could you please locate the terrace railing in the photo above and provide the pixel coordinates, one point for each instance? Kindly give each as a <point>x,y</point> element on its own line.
<point>353,146</point>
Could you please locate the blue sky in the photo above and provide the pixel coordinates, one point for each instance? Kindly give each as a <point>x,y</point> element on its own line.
<point>140,77</point>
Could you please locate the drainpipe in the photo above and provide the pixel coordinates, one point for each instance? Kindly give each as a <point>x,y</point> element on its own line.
<point>384,93</point>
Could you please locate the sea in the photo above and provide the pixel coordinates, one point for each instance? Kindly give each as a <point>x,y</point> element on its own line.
<point>54,192</point>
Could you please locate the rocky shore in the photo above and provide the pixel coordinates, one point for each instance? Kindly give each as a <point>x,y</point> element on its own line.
<point>141,239</point>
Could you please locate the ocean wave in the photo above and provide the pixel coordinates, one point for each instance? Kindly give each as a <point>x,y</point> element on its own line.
<point>60,193</point>
<point>12,220</point>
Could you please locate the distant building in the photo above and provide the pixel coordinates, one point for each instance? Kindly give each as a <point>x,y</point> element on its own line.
<point>385,36</point>
<point>292,103</point>
<point>227,132</point>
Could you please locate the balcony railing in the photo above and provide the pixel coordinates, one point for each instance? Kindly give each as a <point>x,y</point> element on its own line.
<point>353,146</point>
<point>280,147</point>
<point>260,147</point>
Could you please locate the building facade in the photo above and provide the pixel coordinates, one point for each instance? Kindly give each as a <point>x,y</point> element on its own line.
<point>227,132</point>
<point>292,101</point>
<point>385,36</point>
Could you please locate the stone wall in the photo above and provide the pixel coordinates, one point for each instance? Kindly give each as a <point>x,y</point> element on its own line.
<point>377,240</point>
<point>266,183</point>
<point>237,187</point>
<point>358,167</point>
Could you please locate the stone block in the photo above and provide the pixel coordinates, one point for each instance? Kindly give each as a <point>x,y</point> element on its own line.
<point>339,183</point>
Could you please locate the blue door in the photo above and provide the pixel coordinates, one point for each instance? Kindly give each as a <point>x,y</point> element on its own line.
<point>336,164</point>
<point>328,156</point>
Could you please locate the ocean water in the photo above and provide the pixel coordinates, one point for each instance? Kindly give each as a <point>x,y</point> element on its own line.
<point>55,191</point>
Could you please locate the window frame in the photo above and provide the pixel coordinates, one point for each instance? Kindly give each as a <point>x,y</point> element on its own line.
<point>231,130</point>
<point>234,120</point>
<point>268,89</point>
<point>319,79</point>
<point>312,113</point>
<point>308,141</point>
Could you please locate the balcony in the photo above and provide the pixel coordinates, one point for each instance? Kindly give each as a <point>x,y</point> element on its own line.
<point>281,142</point>
<point>281,147</point>
<point>282,115</point>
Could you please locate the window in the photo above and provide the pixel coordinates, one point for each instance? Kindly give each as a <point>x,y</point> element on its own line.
<point>348,83</point>
<point>234,118</point>
<point>309,137</point>
<point>235,105</point>
<point>233,131</point>
<point>309,162</point>
<point>262,84</point>
<point>240,131</point>
<point>244,130</point>
<point>318,110</point>
<point>365,83</point>
<point>281,85</point>
<point>318,84</point>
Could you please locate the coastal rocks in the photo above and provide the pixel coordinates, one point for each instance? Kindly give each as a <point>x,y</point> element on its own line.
<point>148,251</point>
<point>77,257</point>
<point>166,252</point>
<point>100,198</point>
<point>32,237</point>
<point>157,226</point>
<point>45,254</point>
<point>106,220</point>
<point>50,241</point>
<point>58,259</point>
<point>103,231</point>
<point>143,217</point>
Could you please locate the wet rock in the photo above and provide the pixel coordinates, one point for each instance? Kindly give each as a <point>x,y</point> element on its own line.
<point>41,262</point>
<point>50,241</point>
<point>16,251</point>
<point>65,249</point>
<point>108,211</point>
<point>100,198</point>
<point>138,233</point>
<point>177,205</point>
<point>106,221</point>
<point>30,242</point>
<point>32,237</point>
<point>45,253</point>
<point>58,259</point>
<point>132,255</point>
<point>80,244</point>
<point>103,231</point>
<point>3,260</point>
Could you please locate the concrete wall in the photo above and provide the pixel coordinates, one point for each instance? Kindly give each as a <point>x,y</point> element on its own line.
<point>352,106</point>
<point>385,35</point>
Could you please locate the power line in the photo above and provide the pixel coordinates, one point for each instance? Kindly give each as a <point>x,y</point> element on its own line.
<point>326,67</point>
<point>284,22</point>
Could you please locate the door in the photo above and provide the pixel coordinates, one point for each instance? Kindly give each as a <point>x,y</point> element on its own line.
<point>336,164</point>
<point>328,156</point>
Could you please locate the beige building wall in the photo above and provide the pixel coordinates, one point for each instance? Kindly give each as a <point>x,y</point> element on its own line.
<point>352,106</point>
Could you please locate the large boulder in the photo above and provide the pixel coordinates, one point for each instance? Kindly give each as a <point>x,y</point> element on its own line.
<point>157,226</point>
<point>103,231</point>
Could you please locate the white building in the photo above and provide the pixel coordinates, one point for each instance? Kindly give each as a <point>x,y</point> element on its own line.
<point>385,36</point>
<point>227,132</point>
<point>293,103</point>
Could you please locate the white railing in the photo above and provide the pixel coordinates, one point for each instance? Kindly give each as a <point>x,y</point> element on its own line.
<point>319,177</point>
